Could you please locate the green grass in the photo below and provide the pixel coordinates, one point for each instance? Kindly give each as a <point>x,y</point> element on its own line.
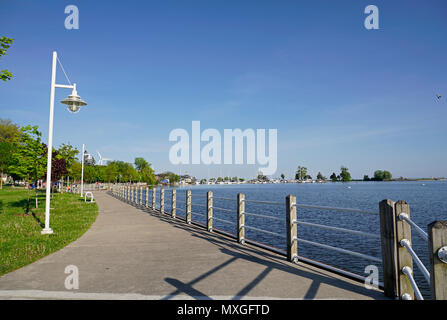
<point>20,239</point>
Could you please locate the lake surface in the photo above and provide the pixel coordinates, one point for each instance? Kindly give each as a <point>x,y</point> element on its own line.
<point>427,200</point>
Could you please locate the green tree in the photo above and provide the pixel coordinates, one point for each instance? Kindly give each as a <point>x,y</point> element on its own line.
<point>69,154</point>
<point>8,130</point>
<point>380,175</point>
<point>174,177</point>
<point>5,43</point>
<point>320,177</point>
<point>283,176</point>
<point>387,175</point>
<point>344,174</point>
<point>300,173</point>
<point>148,175</point>
<point>28,157</point>
<point>111,172</point>
<point>140,164</point>
<point>6,149</point>
<point>366,178</point>
<point>333,177</point>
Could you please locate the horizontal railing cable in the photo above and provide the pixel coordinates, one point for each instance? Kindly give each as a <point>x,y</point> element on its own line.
<point>199,205</point>
<point>263,216</point>
<point>200,214</point>
<point>335,269</point>
<point>334,208</point>
<point>360,233</point>
<point>223,220</point>
<point>265,202</point>
<point>220,198</point>
<point>265,231</point>
<point>223,209</point>
<point>352,253</point>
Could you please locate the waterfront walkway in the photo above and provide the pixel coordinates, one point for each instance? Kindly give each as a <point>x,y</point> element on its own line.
<point>132,253</point>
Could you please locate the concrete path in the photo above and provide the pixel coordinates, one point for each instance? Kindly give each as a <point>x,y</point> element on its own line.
<point>131,253</point>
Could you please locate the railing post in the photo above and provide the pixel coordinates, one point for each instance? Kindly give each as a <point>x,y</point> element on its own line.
<point>141,196</point>
<point>188,206</point>
<point>173,203</point>
<point>147,197</point>
<point>154,193</point>
<point>162,200</point>
<point>291,226</point>
<point>437,246</point>
<point>209,210</point>
<point>389,248</point>
<point>404,258</point>
<point>241,218</point>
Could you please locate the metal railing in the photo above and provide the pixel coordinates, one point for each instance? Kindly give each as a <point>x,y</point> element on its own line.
<point>407,269</point>
<point>395,233</point>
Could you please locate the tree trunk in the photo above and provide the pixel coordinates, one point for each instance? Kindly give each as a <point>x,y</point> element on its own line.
<point>28,200</point>
<point>37,203</point>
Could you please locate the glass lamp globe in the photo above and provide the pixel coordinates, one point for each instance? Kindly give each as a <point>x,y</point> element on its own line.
<point>74,101</point>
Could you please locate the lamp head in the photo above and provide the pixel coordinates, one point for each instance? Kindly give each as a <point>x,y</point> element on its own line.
<point>73,101</point>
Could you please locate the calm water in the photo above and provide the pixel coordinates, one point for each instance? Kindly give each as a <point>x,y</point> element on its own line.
<point>428,202</point>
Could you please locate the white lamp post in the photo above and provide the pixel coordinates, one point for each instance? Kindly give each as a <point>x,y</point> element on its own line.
<point>74,103</point>
<point>82,170</point>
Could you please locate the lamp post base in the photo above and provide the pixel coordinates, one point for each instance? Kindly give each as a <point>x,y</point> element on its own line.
<point>46,231</point>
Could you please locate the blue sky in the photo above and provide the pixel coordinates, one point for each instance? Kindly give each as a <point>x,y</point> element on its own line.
<point>338,94</point>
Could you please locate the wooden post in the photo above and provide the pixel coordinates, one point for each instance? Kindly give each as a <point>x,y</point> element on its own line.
<point>173,204</point>
<point>389,249</point>
<point>404,258</point>
<point>188,206</point>
<point>437,245</point>
<point>154,193</point>
<point>241,218</point>
<point>147,197</point>
<point>291,227</point>
<point>209,210</point>
<point>162,200</point>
